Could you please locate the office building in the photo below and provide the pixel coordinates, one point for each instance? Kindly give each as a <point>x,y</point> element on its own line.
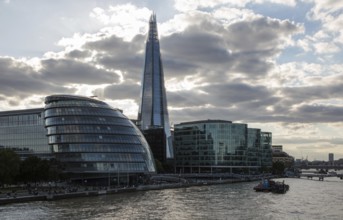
<point>23,131</point>
<point>220,146</point>
<point>90,138</point>
<point>93,139</point>
<point>266,149</point>
<point>277,148</point>
<point>153,112</point>
<point>331,158</point>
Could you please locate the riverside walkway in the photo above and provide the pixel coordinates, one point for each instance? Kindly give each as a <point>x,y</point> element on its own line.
<point>57,193</point>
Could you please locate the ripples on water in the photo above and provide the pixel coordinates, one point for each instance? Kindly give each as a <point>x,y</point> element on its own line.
<point>306,199</point>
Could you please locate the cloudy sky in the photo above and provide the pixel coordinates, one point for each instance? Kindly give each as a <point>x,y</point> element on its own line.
<point>274,64</point>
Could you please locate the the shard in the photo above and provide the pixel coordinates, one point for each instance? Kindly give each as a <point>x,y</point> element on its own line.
<point>153,112</point>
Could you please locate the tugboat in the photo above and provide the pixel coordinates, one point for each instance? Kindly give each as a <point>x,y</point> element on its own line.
<point>267,185</point>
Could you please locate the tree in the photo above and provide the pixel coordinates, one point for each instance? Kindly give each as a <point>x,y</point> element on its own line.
<point>9,166</point>
<point>278,168</point>
<point>34,169</point>
<point>159,166</point>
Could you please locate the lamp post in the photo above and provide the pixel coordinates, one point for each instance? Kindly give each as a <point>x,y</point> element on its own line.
<point>109,176</point>
<point>118,175</point>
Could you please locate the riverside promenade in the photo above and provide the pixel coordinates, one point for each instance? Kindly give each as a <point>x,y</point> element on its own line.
<point>58,193</point>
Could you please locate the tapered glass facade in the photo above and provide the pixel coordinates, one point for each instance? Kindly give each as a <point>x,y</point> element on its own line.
<point>218,146</point>
<point>24,132</point>
<point>89,136</point>
<point>153,112</point>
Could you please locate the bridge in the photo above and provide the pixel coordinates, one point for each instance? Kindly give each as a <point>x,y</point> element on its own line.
<point>319,167</point>
<point>319,175</point>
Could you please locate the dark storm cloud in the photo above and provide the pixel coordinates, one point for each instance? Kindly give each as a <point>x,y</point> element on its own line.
<point>63,71</point>
<point>21,80</point>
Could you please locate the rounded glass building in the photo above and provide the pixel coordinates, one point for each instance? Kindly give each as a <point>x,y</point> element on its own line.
<point>94,140</point>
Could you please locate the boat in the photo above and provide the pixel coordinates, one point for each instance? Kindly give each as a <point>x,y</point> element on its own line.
<point>267,185</point>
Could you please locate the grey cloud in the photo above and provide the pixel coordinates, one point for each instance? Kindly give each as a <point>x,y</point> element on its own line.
<point>117,46</point>
<point>196,45</point>
<point>243,47</point>
<point>20,80</point>
<point>319,113</point>
<point>314,92</point>
<point>185,98</point>
<point>63,71</point>
<point>120,91</point>
<point>224,94</point>
<point>78,54</point>
<point>117,54</point>
<point>260,34</point>
<point>312,140</point>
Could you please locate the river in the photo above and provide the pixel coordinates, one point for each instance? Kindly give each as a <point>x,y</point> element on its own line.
<point>306,199</point>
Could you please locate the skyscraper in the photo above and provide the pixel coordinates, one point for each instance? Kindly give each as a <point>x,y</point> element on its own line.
<point>153,111</point>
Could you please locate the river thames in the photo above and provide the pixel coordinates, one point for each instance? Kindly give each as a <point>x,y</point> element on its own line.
<point>306,199</point>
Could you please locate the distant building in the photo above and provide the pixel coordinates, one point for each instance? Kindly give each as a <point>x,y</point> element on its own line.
<point>220,146</point>
<point>277,148</point>
<point>280,156</point>
<point>153,112</point>
<point>331,158</point>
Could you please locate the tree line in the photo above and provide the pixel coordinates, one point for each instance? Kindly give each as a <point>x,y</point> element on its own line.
<point>32,169</point>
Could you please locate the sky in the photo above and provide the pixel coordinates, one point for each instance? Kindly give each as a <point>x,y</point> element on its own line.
<point>273,64</point>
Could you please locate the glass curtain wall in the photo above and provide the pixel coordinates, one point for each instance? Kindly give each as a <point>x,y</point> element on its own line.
<point>24,132</point>
<point>91,137</point>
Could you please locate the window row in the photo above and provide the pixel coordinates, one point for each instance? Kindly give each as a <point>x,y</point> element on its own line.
<point>90,138</point>
<point>76,103</point>
<point>86,120</point>
<point>108,167</point>
<point>115,148</point>
<point>105,129</point>
<point>82,111</point>
<point>103,157</point>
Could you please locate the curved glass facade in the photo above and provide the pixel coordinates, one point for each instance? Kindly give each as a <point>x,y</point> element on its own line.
<point>89,136</point>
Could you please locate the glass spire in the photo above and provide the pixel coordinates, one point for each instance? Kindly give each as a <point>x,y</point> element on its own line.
<point>153,112</point>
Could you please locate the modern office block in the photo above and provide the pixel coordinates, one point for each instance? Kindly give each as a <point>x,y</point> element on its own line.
<point>219,146</point>
<point>93,139</point>
<point>254,147</point>
<point>266,149</point>
<point>153,112</point>
<point>24,132</point>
